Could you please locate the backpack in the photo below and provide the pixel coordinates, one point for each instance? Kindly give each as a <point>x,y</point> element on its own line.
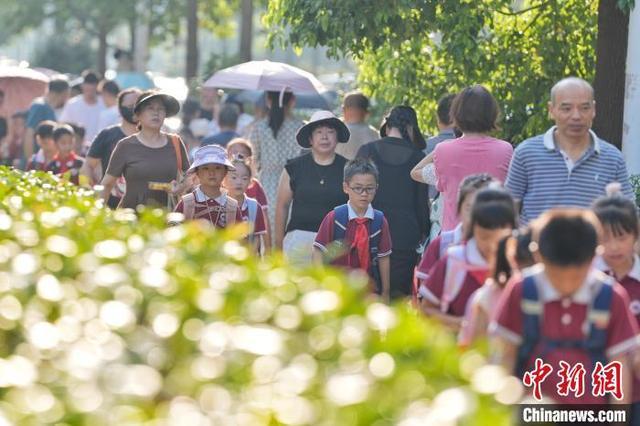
<point>375,231</point>
<point>189,208</point>
<point>532,310</point>
<point>252,206</point>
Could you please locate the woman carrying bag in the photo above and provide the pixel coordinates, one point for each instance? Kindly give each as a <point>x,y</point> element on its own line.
<point>152,162</point>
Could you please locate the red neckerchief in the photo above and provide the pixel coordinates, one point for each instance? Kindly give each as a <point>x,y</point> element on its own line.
<point>64,162</point>
<point>361,242</point>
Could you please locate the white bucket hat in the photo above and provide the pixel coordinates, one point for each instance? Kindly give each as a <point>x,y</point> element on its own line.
<point>210,154</point>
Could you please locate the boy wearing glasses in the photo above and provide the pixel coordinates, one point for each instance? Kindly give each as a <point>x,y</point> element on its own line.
<point>355,235</point>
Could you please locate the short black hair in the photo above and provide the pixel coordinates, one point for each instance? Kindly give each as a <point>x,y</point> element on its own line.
<point>78,130</point>
<point>360,166</point>
<point>356,99</point>
<point>475,109</point>
<point>58,85</point>
<point>617,213</point>
<point>110,86</point>
<point>90,77</point>
<point>567,237</point>
<point>470,185</point>
<point>228,115</point>
<point>45,129</point>
<point>493,208</point>
<point>20,114</point>
<point>444,108</point>
<point>61,130</point>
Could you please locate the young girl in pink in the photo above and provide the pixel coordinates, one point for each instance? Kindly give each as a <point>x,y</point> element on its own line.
<point>512,256</point>
<point>465,267</point>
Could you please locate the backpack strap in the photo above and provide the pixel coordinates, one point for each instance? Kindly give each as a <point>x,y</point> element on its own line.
<point>230,210</point>
<point>340,221</point>
<point>189,205</point>
<point>175,141</point>
<point>375,233</point>
<point>531,311</point>
<point>446,240</point>
<point>598,318</point>
<point>252,205</point>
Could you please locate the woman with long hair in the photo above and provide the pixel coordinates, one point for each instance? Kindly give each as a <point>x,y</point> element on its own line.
<point>274,139</point>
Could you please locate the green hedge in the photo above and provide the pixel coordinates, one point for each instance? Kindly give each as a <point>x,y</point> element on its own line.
<point>113,319</point>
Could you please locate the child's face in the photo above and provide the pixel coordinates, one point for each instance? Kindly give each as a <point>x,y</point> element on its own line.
<point>65,144</point>
<point>566,279</point>
<point>237,181</point>
<point>211,175</point>
<point>618,249</point>
<point>487,240</point>
<point>46,144</point>
<point>361,189</point>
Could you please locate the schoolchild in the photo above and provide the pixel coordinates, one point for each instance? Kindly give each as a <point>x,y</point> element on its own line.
<point>438,247</point>
<point>619,219</point>
<point>209,201</point>
<point>65,160</point>
<point>565,310</point>
<point>236,183</point>
<point>465,267</point>
<point>44,139</point>
<point>355,235</point>
<point>513,255</point>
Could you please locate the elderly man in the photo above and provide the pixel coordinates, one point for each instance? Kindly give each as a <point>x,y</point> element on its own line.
<point>568,165</point>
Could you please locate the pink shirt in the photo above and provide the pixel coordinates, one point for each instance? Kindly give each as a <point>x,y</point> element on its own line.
<point>458,158</point>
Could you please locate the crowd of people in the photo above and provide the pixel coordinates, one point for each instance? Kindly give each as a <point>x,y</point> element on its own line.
<point>487,240</point>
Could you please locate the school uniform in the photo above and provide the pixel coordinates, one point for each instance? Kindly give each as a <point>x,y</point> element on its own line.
<point>455,277</point>
<point>72,163</point>
<point>351,257</point>
<point>564,319</point>
<point>213,210</point>
<point>631,283</point>
<point>436,249</point>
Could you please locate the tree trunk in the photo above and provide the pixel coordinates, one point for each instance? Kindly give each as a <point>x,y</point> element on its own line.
<point>609,83</point>
<point>631,135</point>
<point>246,30</point>
<point>132,32</point>
<point>192,40</point>
<point>102,49</point>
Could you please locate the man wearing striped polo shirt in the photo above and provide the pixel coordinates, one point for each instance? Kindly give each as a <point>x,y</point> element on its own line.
<point>568,165</point>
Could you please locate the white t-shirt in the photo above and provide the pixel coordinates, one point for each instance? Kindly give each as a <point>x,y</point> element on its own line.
<point>108,117</point>
<point>79,112</point>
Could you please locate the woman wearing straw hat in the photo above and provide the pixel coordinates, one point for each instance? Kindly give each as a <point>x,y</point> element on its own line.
<point>311,185</point>
<point>151,161</point>
<point>403,201</point>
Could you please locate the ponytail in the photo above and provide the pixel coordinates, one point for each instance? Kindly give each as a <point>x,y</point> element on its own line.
<point>276,112</point>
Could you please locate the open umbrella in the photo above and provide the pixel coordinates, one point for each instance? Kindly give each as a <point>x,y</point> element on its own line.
<point>323,100</point>
<point>266,75</point>
<point>21,86</point>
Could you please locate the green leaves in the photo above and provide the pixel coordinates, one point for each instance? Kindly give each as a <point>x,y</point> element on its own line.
<point>417,51</point>
<point>112,318</point>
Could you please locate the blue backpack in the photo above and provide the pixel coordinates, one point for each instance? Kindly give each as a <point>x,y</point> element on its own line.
<point>375,231</point>
<point>532,309</point>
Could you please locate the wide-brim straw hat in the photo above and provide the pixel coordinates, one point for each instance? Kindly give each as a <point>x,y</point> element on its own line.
<point>322,118</point>
<point>171,104</point>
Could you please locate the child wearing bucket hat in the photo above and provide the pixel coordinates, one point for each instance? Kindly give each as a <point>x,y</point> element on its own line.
<point>209,201</point>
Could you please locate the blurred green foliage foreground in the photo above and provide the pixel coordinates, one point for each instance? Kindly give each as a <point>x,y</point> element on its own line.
<point>113,319</point>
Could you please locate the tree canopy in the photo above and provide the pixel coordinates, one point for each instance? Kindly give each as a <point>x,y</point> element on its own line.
<point>415,51</point>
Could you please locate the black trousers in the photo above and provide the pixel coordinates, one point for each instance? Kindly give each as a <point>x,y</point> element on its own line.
<point>402,264</point>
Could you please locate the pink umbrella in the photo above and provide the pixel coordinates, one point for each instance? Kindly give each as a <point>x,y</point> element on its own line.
<point>20,86</point>
<point>266,75</point>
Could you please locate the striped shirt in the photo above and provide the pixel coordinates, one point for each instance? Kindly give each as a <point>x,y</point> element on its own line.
<point>542,177</point>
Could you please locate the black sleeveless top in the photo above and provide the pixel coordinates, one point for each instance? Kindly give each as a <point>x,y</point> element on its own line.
<point>316,191</point>
<point>403,201</point>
